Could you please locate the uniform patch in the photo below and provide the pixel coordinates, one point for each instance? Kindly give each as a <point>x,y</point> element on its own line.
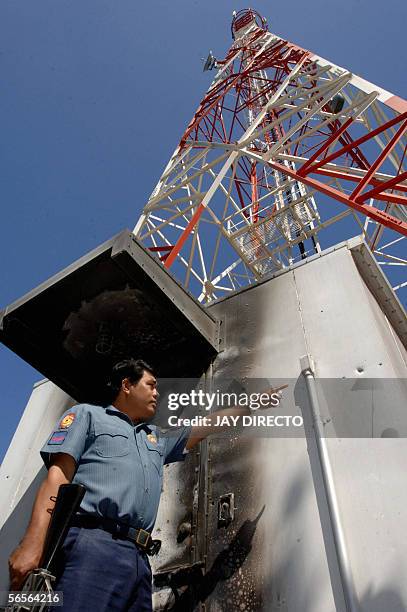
<point>67,421</point>
<point>57,437</point>
<point>151,438</point>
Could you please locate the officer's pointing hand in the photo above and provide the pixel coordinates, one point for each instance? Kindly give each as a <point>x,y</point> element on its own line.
<point>275,393</point>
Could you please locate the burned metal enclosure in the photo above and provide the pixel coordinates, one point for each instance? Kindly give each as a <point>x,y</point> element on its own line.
<point>115,302</point>
<point>243,521</point>
<point>277,553</point>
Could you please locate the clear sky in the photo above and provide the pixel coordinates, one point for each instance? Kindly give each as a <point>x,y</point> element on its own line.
<point>94,96</point>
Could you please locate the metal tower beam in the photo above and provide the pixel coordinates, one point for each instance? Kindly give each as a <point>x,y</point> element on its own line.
<point>281,142</point>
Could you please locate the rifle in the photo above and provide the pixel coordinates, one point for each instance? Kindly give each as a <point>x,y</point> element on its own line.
<point>40,580</point>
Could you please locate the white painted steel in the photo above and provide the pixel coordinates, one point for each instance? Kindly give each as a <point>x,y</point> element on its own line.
<point>22,469</point>
<point>329,490</point>
<point>321,308</point>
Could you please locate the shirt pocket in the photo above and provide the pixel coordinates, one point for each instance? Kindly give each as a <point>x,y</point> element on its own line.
<point>155,454</point>
<point>111,441</point>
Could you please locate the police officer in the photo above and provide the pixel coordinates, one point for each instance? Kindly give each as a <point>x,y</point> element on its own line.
<point>118,455</point>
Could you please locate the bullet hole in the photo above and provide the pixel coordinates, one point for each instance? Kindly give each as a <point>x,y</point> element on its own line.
<point>389,433</point>
<point>360,370</point>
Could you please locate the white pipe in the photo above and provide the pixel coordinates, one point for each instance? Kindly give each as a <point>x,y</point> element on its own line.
<point>348,587</point>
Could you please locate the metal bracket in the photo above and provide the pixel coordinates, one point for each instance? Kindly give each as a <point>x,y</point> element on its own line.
<point>226,509</point>
<point>307,364</point>
<point>221,334</point>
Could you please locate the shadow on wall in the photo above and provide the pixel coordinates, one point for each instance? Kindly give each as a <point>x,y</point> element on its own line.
<point>15,526</point>
<point>387,599</point>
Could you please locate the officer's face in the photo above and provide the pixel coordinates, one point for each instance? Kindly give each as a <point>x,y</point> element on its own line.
<point>143,396</point>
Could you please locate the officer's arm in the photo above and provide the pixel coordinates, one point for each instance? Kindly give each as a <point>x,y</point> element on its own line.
<point>28,554</point>
<point>199,433</point>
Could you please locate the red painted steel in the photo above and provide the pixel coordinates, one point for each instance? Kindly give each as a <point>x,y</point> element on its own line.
<point>181,241</point>
<point>370,211</point>
<point>252,73</point>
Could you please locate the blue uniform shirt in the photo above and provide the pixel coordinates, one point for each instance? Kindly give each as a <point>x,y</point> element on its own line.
<point>120,464</point>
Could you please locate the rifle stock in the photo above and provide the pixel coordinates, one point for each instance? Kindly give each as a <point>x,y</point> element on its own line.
<point>66,505</point>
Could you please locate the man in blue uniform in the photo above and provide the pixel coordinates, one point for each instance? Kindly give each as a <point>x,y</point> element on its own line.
<point>119,456</point>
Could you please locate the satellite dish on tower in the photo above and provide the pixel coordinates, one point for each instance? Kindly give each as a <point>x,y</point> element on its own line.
<point>210,62</point>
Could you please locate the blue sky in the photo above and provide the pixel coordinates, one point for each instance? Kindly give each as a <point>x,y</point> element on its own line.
<point>94,96</point>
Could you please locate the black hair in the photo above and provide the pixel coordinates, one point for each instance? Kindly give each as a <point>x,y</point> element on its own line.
<point>132,369</point>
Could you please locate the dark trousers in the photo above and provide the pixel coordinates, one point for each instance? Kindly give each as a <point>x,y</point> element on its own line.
<point>96,571</point>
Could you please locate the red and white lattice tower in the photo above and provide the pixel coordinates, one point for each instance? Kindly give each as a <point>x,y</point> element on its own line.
<point>287,154</point>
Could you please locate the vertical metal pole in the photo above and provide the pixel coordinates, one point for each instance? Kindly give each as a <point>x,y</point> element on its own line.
<point>348,587</point>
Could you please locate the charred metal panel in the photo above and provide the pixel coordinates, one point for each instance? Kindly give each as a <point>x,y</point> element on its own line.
<point>176,527</point>
<point>263,560</point>
<point>115,302</point>
<point>181,524</point>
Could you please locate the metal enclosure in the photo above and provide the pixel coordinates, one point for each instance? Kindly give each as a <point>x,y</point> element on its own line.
<point>325,309</point>
<point>277,553</point>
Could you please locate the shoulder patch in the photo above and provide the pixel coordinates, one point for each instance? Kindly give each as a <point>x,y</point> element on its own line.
<point>57,437</point>
<point>67,420</point>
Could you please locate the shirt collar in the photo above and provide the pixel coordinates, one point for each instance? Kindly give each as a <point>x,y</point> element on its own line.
<point>143,425</point>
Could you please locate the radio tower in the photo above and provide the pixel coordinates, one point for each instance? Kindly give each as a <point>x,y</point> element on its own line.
<point>287,154</point>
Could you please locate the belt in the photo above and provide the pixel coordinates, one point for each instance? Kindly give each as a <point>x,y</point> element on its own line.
<point>140,537</point>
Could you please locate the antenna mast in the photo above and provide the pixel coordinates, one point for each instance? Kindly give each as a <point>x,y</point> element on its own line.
<point>287,154</point>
